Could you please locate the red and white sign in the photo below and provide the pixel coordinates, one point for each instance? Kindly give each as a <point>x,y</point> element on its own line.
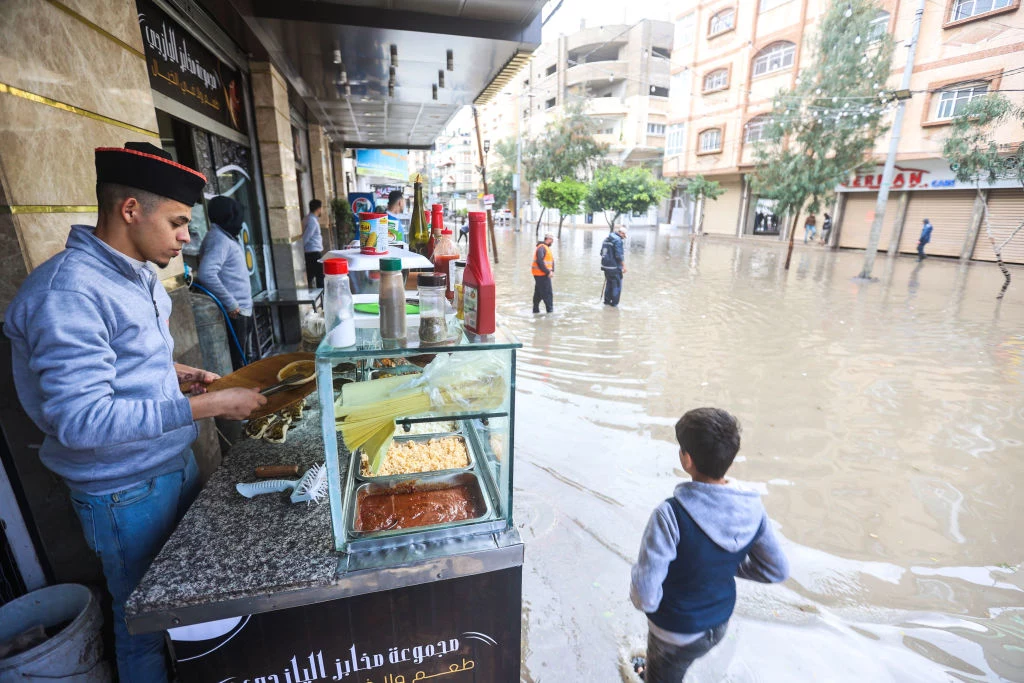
<point>927,174</point>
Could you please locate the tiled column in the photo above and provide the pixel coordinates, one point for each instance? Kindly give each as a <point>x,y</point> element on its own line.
<point>319,148</point>
<point>273,128</point>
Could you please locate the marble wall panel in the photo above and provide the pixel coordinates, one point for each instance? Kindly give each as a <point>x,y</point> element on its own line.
<point>44,234</point>
<point>268,87</point>
<point>48,153</point>
<point>273,127</point>
<point>119,18</point>
<point>281,193</point>
<point>290,265</point>
<point>285,223</point>
<point>277,159</point>
<point>11,262</point>
<point>51,53</point>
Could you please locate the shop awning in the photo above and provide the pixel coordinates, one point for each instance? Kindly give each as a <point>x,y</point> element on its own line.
<point>339,59</point>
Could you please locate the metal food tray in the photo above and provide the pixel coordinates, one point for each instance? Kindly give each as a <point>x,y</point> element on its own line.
<point>394,538</point>
<point>397,478</point>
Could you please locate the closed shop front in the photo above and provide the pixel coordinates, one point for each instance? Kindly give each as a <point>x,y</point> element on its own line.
<point>721,215</point>
<point>858,216</point>
<point>950,213</point>
<point>1005,213</point>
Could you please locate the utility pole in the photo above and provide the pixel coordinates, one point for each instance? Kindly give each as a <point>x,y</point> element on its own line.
<point>519,163</point>
<point>903,94</point>
<point>483,173</point>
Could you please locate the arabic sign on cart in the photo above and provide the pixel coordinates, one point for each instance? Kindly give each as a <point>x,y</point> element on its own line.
<point>188,73</point>
<point>457,631</point>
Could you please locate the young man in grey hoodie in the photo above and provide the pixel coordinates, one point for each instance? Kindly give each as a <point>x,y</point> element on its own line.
<point>708,532</point>
<point>93,363</point>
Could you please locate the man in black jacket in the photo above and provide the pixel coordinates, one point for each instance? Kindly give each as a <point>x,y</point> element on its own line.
<point>613,263</point>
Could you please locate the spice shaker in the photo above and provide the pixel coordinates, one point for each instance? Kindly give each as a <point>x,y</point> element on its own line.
<point>431,288</point>
<point>392,299</point>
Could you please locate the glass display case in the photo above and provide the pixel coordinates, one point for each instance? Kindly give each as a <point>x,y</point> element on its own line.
<point>455,422</point>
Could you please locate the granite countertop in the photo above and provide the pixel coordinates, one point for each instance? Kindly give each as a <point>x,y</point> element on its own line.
<point>228,547</point>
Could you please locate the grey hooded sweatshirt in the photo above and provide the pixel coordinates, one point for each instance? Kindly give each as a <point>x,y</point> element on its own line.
<point>93,367</point>
<point>729,516</point>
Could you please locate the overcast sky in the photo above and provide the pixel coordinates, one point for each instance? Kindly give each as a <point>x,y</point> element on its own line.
<point>570,13</point>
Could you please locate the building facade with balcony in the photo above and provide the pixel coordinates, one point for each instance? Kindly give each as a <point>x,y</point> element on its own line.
<point>730,58</point>
<point>454,176</point>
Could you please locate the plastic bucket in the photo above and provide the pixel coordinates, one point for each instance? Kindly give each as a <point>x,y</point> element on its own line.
<point>75,654</point>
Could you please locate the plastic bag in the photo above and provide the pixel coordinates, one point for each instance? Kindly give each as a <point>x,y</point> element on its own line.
<point>462,381</point>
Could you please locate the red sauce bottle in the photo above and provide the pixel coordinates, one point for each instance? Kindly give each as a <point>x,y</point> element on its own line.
<point>436,226</point>
<point>478,282</point>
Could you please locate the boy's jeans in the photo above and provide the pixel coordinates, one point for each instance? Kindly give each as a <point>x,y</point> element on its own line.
<point>668,663</point>
<point>126,530</point>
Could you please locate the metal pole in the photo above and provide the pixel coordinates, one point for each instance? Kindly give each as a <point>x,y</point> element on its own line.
<point>483,174</point>
<point>894,143</point>
<point>519,164</point>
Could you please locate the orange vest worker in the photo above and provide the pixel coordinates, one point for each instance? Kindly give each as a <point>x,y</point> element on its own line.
<point>549,260</point>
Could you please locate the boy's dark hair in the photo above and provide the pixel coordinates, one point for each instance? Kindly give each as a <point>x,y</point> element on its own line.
<point>394,196</point>
<point>109,197</point>
<point>712,438</point>
<point>314,204</point>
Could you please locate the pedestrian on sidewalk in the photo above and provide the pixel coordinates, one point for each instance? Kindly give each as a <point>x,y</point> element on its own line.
<point>543,269</point>
<point>810,228</point>
<point>313,244</point>
<point>463,231</point>
<point>613,263</point>
<point>709,531</point>
<point>826,229</point>
<point>925,238</point>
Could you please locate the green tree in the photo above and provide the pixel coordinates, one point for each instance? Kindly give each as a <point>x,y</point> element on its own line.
<point>344,221</point>
<point>501,164</point>
<point>973,153</point>
<point>500,185</point>
<point>701,189</point>
<point>618,191</point>
<point>564,195</point>
<point>824,127</point>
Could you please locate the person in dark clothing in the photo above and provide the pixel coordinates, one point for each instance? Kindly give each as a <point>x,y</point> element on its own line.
<point>463,231</point>
<point>708,532</point>
<point>223,271</point>
<point>543,269</point>
<point>826,229</point>
<point>613,263</point>
<point>313,245</point>
<point>925,238</point>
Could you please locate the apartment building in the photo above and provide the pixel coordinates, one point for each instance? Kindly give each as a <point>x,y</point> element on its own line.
<point>453,164</point>
<point>730,57</point>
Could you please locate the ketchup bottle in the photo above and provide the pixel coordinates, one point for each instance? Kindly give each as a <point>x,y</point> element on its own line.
<point>436,226</point>
<point>478,282</point>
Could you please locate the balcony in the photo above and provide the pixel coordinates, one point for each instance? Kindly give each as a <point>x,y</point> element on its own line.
<point>612,70</point>
<point>606,106</point>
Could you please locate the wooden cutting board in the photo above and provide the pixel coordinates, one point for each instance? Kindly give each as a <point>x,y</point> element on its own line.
<point>262,374</point>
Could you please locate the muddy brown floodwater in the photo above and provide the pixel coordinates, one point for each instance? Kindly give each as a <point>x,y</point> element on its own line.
<point>883,423</point>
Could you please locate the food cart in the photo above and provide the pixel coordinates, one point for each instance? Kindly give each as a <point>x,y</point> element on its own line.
<point>264,590</point>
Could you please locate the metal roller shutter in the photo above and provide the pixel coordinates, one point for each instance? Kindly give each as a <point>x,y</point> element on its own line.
<point>858,216</point>
<point>950,213</point>
<point>721,215</point>
<point>1005,212</point>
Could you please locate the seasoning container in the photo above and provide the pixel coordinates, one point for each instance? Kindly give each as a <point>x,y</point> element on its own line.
<point>436,226</point>
<point>445,252</point>
<point>478,282</point>
<point>339,312</point>
<point>392,299</point>
<point>458,269</point>
<point>431,288</point>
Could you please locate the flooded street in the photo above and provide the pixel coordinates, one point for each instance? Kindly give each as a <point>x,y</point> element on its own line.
<point>883,423</point>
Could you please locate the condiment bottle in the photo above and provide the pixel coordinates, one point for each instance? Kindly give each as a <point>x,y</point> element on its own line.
<point>339,313</point>
<point>478,282</point>
<point>436,226</point>
<point>445,253</point>
<point>433,326</point>
<point>392,299</point>
<point>458,269</point>
<point>419,233</point>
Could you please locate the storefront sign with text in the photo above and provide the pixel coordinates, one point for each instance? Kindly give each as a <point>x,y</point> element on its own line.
<point>927,174</point>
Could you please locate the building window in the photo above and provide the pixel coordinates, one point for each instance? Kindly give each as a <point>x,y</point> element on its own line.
<point>775,57</point>
<point>721,22</point>
<point>551,69</point>
<point>771,4</point>
<point>716,80</point>
<point>674,140</point>
<point>548,104</point>
<point>662,52</point>
<point>755,129</point>
<point>684,32</point>
<point>710,141</point>
<point>467,177</point>
<point>965,9</point>
<point>655,128</point>
<point>953,99</point>
<point>658,91</point>
<point>878,27</point>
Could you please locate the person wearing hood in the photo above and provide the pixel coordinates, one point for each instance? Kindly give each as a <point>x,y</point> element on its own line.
<point>222,270</point>
<point>924,239</point>
<point>696,542</point>
<point>93,365</point>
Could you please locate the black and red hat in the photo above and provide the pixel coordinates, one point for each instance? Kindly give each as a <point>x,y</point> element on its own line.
<point>147,167</point>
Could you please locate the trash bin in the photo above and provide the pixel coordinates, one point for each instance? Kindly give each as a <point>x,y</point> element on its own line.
<point>73,649</point>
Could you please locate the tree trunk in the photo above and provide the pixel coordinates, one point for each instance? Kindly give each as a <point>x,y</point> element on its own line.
<point>561,219</point>
<point>700,218</point>
<point>536,230</point>
<point>792,234</point>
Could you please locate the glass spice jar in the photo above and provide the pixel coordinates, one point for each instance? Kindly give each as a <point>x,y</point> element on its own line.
<point>431,288</point>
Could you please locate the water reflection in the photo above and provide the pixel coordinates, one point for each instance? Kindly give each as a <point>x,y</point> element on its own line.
<point>883,420</point>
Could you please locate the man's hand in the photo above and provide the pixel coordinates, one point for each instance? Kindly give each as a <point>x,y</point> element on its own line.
<point>235,313</point>
<point>194,378</point>
<point>623,268</point>
<point>236,403</point>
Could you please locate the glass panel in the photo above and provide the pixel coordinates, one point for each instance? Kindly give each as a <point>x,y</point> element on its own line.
<point>234,179</point>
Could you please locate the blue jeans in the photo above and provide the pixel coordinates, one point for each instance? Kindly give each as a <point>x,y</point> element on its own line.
<point>126,530</point>
<point>668,663</point>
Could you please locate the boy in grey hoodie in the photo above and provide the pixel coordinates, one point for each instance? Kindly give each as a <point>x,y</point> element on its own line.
<point>696,542</point>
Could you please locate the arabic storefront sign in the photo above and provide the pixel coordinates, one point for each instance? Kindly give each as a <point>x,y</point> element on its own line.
<point>185,71</point>
<point>454,631</point>
<point>927,174</point>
